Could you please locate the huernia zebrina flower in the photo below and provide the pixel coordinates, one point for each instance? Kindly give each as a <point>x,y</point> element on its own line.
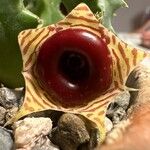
<point>76,65</point>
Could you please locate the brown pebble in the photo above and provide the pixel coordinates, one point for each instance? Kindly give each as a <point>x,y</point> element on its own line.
<point>70,132</point>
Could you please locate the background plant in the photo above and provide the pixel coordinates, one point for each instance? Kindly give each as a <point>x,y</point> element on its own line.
<point>18,15</point>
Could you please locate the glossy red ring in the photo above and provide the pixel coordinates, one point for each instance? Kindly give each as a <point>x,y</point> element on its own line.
<point>86,43</point>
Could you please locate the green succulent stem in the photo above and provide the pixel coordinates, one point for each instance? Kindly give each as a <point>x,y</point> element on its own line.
<point>18,15</point>
<point>14,18</point>
<point>48,10</point>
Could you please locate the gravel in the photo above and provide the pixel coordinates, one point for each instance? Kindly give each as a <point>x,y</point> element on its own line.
<point>10,97</point>
<point>117,109</point>
<point>6,140</point>
<point>70,132</point>
<point>2,115</point>
<point>32,133</point>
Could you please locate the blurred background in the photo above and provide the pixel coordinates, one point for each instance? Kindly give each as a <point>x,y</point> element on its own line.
<point>129,19</point>
<point>133,23</point>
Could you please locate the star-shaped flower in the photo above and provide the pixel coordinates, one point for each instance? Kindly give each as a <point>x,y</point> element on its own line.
<point>76,65</point>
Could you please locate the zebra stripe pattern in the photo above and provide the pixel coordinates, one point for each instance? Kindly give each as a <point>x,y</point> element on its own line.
<point>124,57</point>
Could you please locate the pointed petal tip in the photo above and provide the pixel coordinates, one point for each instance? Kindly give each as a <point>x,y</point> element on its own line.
<point>125,4</point>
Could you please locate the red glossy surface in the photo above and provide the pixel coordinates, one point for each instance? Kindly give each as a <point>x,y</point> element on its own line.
<point>74,66</point>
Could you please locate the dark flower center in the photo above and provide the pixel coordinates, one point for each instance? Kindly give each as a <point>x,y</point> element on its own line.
<point>74,66</point>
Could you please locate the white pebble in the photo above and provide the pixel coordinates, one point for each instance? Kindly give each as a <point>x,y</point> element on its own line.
<point>32,132</point>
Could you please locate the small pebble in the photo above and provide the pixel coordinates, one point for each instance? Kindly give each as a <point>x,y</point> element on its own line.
<point>46,145</point>
<point>31,133</point>
<point>10,97</point>
<point>117,109</point>
<point>2,115</point>
<point>118,115</point>
<point>70,132</point>
<point>11,113</point>
<point>108,124</point>
<point>6,141</point>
